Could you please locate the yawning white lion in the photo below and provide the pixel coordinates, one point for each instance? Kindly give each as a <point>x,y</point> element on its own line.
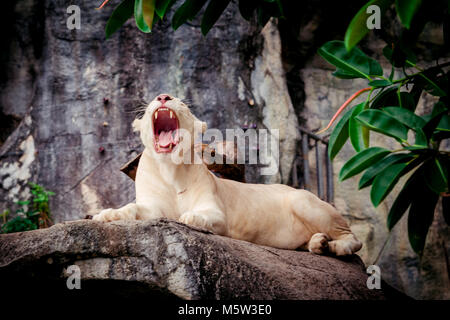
<point>273,215</point>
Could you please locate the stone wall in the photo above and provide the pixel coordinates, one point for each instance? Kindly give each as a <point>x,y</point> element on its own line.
<point>78,95</point>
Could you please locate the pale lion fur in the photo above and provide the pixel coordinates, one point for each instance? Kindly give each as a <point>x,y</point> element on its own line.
<point>274,215</point>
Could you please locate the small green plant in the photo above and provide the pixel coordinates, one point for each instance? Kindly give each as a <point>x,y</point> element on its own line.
<point>32,214</point>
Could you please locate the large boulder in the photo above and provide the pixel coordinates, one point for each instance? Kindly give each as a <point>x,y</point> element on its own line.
<point>167,259</point>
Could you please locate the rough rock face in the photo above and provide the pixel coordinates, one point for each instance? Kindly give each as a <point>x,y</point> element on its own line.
<point>167,259</point>
<point>74,96</point>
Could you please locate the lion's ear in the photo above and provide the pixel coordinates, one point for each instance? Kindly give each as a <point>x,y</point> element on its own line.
<point>136,125</point>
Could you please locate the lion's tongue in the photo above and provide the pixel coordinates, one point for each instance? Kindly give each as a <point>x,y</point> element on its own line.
<point>165,139</point>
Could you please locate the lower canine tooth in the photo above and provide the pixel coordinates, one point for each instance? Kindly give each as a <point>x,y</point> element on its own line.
<point>170,147</point>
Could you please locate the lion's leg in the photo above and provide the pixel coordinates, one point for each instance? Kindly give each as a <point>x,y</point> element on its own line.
<point>131,211</point>
<point>212,220</point>
<point>127,212</point>
<point>320,243</point>
<point>149,212</point>
<point>325,222</point>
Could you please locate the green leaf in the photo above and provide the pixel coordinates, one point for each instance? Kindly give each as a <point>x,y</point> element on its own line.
<point>406,101</point>
<point>362,161</point>
<point>406,9</point>
<point>120,15</point>
<point>444,124</point>
<point>409,192</point>
<point>415,93</point>
<point>385,181</point>
<point>341,74</point>
<point>142,12</point>
<point>148,9</point>
<point>187,11</point>
<point>391,75</point>
<point>400,55</point>
<point>387,52</point>
<point>380,121</point>
<point>421,138</point>
<point>420,217</point>
<point>366,136</point>
<point>368,176</point>
<point>212,13</point>
<point>380,83</point>
<point>432,86</point>
<point>33,214</point>
<point>353,62</point>
<point>436,176</point>
<point>4,214</point>
<point>355,129</point>
<point>162,6</point>
<point>385,98</point>
<point>439,110</point>
<point>418,149</point>
<point>339,135</point>
<point>408,118</point>
<point>358,26</point>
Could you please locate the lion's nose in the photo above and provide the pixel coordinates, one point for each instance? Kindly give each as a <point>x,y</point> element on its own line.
<point>163,98</point>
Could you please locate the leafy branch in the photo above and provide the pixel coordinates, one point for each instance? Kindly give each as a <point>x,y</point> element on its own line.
<point>391,111</point>
<point>148,12</point>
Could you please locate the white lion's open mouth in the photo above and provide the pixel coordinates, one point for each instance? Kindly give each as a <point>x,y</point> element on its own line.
<point>165,129</point>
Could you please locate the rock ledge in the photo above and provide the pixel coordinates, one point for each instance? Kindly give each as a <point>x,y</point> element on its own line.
<point>166,259</point>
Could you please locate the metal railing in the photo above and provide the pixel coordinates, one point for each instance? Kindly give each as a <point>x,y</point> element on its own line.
<point>323,163</point>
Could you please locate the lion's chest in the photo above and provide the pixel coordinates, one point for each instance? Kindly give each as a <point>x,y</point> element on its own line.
<point>184,200</point>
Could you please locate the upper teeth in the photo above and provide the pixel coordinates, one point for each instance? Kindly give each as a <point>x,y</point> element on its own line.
<point>171,114</point>
<point>156,115</point>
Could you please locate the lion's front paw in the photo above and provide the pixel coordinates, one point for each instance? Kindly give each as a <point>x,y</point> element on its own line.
<point>128,212</point>
<point>106,215</point>
<point>196,219</point>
